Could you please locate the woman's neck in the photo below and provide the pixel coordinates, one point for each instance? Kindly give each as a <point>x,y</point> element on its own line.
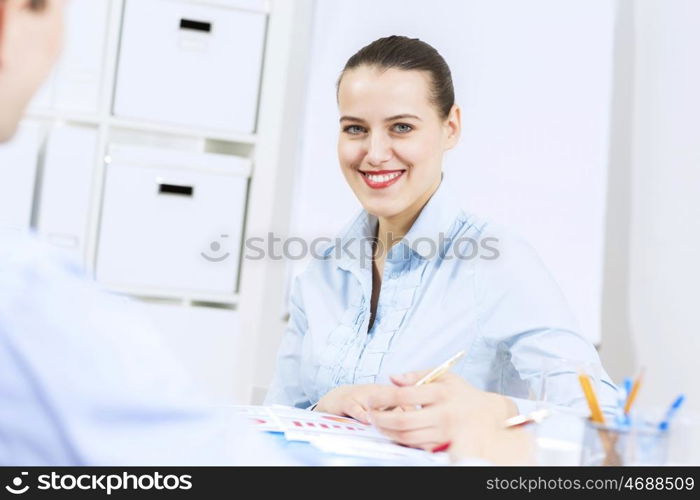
<point>392,229</point>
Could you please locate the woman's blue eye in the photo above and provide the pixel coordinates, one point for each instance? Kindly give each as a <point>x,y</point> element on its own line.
<point>402,128</point>
<point>354,129</point>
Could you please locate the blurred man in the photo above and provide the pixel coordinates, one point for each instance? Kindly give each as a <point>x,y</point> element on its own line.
<point>83,380</point>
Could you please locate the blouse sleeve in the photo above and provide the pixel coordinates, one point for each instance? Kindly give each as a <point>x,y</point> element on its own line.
<point>524,314</point>
<point>286,384</point>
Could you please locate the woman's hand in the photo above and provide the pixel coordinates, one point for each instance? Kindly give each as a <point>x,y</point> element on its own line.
<point>353,400</point>
<point>447,412</point>
<point>493,443</point>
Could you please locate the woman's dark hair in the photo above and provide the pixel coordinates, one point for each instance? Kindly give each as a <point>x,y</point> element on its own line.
<point>408,54</point>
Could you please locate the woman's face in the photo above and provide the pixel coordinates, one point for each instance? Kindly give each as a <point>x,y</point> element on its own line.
<point>392,138</point>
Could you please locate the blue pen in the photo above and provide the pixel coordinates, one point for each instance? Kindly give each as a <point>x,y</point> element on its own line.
<point>620,417</point>
<point>671,412</point>
<point>627,389</point>
<point>628,386</point>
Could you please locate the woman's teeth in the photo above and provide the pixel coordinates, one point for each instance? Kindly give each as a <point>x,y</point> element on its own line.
<point>382,178</point>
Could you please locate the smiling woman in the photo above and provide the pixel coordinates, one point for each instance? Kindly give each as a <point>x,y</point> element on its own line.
<point>398,119</point>
<point>421,297</point>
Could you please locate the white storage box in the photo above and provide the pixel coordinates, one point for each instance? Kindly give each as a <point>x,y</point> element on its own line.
<point>191,65</point>
<point>172,221</point>
<point>75,84</point>
<point>205,342</point>
<point>78,76</point>
<point>66,186</point>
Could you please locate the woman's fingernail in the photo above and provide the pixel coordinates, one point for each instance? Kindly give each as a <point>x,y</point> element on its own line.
<point>442,447</point>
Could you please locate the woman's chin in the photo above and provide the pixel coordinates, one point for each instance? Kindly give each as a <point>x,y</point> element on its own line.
<point>382,209</point>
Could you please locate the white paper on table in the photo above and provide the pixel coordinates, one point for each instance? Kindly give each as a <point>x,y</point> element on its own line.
<point>334,434</point>
<point>259,417</point>
<point>370,448</point>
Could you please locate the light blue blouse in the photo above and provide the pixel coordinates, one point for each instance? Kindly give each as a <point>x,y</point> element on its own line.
<point>454,282</point>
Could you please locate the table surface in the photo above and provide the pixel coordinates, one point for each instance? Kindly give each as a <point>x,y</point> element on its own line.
<point>558,442</point>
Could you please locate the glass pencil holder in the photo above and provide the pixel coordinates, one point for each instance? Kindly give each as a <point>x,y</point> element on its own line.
<point>615,445</point>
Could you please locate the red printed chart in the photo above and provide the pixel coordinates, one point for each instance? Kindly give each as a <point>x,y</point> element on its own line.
<point>303,424</point>
<point>331,433</point>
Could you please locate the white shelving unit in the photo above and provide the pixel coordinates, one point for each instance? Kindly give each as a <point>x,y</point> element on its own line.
<point>113,129</point>
<point>271,148</point>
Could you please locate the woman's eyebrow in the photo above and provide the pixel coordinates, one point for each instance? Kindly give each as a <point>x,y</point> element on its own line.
<point>390,119</point>
<point>401,117</point>
<point>350,119</point>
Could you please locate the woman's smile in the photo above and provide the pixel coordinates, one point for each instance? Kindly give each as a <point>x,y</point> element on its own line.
<point>380,179</point>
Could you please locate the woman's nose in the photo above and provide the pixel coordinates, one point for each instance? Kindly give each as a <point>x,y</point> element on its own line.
<point>379,149</point>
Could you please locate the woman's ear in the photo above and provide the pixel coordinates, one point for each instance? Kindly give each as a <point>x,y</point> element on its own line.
<point>453,127</point>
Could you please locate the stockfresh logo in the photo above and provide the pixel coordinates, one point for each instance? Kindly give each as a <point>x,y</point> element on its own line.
<point>17,486</point>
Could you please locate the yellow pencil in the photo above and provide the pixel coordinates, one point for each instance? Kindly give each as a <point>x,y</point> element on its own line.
<point>440,370</point>
<point>633,393</point>
<point>596,413</point>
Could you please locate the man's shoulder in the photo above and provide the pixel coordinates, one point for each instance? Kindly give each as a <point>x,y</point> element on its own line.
<point>27,262</point>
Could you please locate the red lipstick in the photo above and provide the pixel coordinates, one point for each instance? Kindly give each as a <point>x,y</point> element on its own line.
<point>380,179</point>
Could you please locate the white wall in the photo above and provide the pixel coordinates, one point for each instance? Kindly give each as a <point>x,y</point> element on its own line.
<point>262,282</point>
<point>665,215</point>
<point>617,348</point>
<point>534,79</point>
